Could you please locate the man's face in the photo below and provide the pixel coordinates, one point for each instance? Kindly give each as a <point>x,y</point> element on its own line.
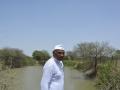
<point>59,54</point>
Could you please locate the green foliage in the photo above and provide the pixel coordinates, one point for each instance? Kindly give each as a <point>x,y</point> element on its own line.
<point>108,77</point>
<point>37,55</point>
<point>116,55</point>
<point>83,66</point>
<point>77,64</point>
<point>28,61</point>
<point>69,63</point>
<point>14,58</point>
<point>41,56</point>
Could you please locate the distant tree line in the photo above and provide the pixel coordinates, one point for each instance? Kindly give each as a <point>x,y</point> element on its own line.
<point>14,58</point>
<point>88,50</point>
<point>92,54</point>
<point>92,51</point>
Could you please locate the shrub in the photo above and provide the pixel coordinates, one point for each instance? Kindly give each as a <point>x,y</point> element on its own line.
<point>108,77</point>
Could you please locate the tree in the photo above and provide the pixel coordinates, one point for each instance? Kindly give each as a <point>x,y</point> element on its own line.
<point>117,54</point>
<point>41,56</point>
<point>12,57</point>
<point>94,51</point>
<point>69,55</point>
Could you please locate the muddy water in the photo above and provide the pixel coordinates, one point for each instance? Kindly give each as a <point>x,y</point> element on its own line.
<point>28,78</point>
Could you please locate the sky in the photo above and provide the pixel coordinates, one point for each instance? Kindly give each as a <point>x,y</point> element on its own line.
<point>41,24</point>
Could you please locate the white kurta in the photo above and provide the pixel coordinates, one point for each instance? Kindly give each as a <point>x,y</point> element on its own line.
<point>53,75</point>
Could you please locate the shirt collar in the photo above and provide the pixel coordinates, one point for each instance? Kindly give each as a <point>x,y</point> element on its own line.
<point>56,60</point>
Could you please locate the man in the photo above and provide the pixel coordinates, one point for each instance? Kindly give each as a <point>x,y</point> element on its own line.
<point>53,74</point>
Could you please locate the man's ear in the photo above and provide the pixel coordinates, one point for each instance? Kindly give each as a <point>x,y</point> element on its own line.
<point>54,52</point>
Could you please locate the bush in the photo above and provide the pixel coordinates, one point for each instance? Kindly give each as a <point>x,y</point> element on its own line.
<point>108,77</point>
<point>77,64</point>
<point>28,61</point>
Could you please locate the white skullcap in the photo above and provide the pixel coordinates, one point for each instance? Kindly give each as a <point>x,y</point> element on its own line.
<point>60,47</point>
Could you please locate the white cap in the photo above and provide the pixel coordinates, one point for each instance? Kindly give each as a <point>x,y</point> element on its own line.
<point>60,47</point>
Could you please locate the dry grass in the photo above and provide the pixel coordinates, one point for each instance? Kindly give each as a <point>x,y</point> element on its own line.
<point>6,78</point>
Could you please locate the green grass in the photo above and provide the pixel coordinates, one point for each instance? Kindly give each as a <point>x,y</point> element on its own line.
<point>108,77</point>
<point>77,64</point>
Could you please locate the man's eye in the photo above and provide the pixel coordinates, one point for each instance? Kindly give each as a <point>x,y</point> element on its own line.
<point>60,52</point>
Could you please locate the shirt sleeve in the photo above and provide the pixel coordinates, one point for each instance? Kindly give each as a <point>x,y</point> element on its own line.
<point>46,78</point>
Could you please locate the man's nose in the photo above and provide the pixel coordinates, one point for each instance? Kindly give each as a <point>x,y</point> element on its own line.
<point>62,55</point>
